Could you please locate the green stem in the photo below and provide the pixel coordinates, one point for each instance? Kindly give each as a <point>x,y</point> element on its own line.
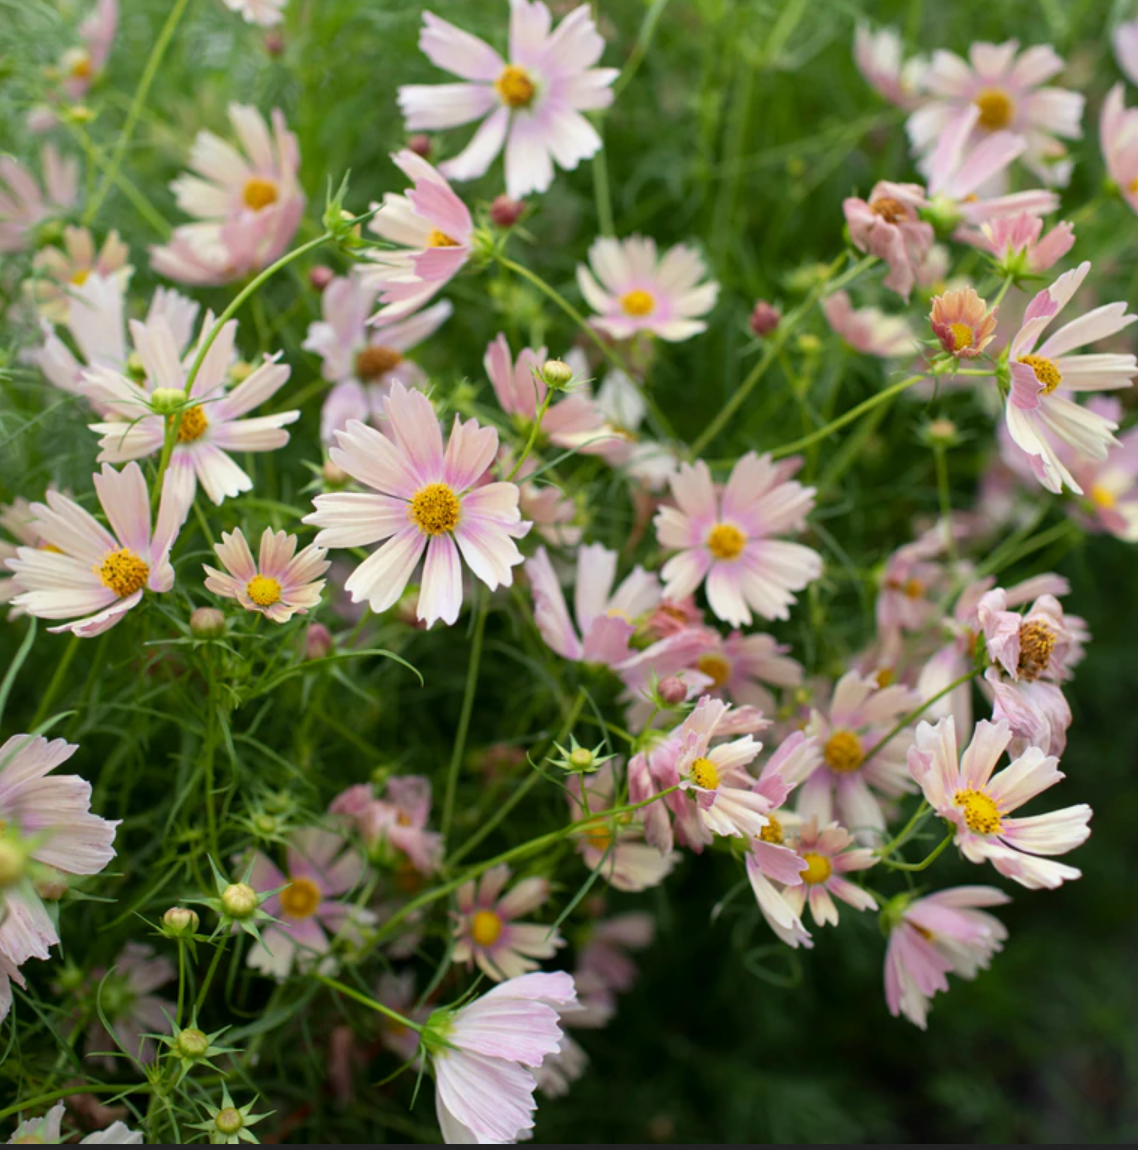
<point>218,952</point>
<point>605,223</point>
<point>919,815</point>
<point>944,492</point>
<point>181,980</point>
<point>918,713</point>
<point>927,862</point>
<point>534,432</point>
<point>467,710</point>
<point>56,1095</point>
<point>370,1003</point>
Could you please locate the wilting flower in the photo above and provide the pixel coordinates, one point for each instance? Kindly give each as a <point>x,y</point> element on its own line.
<point>962,322</point>
<point>486,932</point>
<point>725,537</point>
<point>1118,132</point>
<point>888,225</point>
<point>23,206</point>
<point>266,13</point>
<point>59,271</point>
<point>826,852</point>
<point>979,804</point>
<point>127,1001</point>
<point>363,360</point>
<point>1036,405</point>
<point>421,500</point>
<point>869,330</point>
<point>48,1130</point>
<point>632,289</point>
<point>211,426</point>
<point>880,59</point>
<point>484,1055</point>
<point>396,823</point>
<point>531,104</point>
<point>82,66</point>
<point>84,569</point>
<point>434,233</point>
<point>280,585</point>
<point>321,867</point>
<point>1016,243</point>
<point>941,934</point>
<point>248,203</point>
<point>1000,89</point>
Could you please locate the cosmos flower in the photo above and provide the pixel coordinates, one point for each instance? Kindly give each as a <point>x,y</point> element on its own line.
<point>81,66</point>
<point>1019,245</point>
<point>58,271</point>
<point>127,1000</point>
<point>23,205</point>
<point>741,668</point>
<point>888,225</point>
<point>395,824</point>
<point>828,856</point>
<point>266,13</point>
<point>1125,41</point>
<point>16,521</point>
<point>869,330</point>
<point>281,584</point>
<point>605,968</point>
<point>880,59</point>
<point>48,1130</point>
<point>530,104</point>
<point>961,320</point>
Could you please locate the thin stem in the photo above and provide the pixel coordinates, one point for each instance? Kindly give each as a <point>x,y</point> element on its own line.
<point>918,713</point>
<point>46,1099</point>
<point>181,979</point>
<point>61,670</point>
<point>370,1003</point>
<point>534,432</point>
<point>467,710</point>
<point>944,492</point>
<point>924,863</point>
<point>605,224</point>
<point>919,815</point>
<point>210,973</point>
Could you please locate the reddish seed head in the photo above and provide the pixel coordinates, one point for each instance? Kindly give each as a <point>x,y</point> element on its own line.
<point>765,318</point>
<point>420,144</point>
<point>505,212</point>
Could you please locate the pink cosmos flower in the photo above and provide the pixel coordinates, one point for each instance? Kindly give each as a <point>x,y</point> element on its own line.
<point>560,1070</point>
<point>828,858</point>
<point>49,1130</point>
<point>484,1080</point>
<point>16,520</point>
<point>248,203</point>
<point>978,803</point>
<point>961,320</point>
<point>395,823</point>
<point>23,206</point>
<point>869,330</point>
<point>725,537</point>
<point>210,428</point>
<point>282,584</point>
<point>82,66</point>
<point>1118,136</point>
<point>486,933</point>
<point>1000,89</point>
<point>127,999</point>
<point>321,867</point>
<point>397,991</point>
<point>632,289</point>
<point>91,571</point>
<point>433,232</point>
<point>60,270</point>
<point>939,935</point>
<point>553,513</point>
<point>266,13</point>
<point>888,225</point>
<point>363,360</point>
<point>57,812</point>
<point>531,104</point>
<point>605,968</point>
<point>740,667</point>
<point>903,602</point>
<point>1036,406</point>
<point>421,500</point>
<point>880,59</point>
<point>1018,242</point>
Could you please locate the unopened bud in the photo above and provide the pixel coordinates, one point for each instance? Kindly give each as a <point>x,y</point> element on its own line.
<point>420,144</point>
<point>229,1121</point>
<point>240,371</point>
<point>672,691</point>
<point>207,623</point>
<point>239,900</point>
<point>556,373</point>
<point>335,475</point>
<point>318,643</point>
<point>504,212</point>
<point>78,114</point>
<point>274,43</point>
<point>320,277</point>
<point>765,318</point>
<point>941,432</point>
<point>192,1044</point>
<point>180,922</point>
<point>135,368</point>
<point>51,886</point>
<point>265,824</point>
<point>167,400</point>
<point>581,759</point>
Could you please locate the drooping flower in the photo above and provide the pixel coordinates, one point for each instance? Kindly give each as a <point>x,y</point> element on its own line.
<point>280,585</point>
<point>888,225</point>
<point>81,66</point>
<point>48,1130</point>
<point>247,202</point>
<point>127,1001</point>
<point>941,934</point>
<point>869,330</point>
<point>486,933</point>
<point>880,59</point>
<point>421,500</point>
<point>828,856</point>
<point>484,1056</point>
<point>725,537</point>
<point>23,205</point>
<point>1041,372</point>
<point>979,803</point>
<point>211,426</point>
<point>58,271</point>
<point>86,570</point>
<point>530,104</point>
<point>961,320</point>
<point>363,360</point>
<point>632,289</point>
<point>266,13</point>
<point>1020,247</point>
<point>395,824</point>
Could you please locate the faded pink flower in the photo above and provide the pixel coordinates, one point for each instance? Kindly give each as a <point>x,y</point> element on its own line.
<point>395,824</point>
<point>828,856</point>
<point>741,668</point>
<point>1125,41</point>
<point>280,585</point>
<point>605,968</point>
<point>869,330</point>
<point>80,67</point>
<point>1118,135</point>
<point>23,205</point>
<point>266,13</point>
<point>17,522</point>
<point>888,225</point>
<point>59,271</point>
<point>1019,245</point>
<point>126,998</point>
<point>880,59</point>
<point>961,320</point>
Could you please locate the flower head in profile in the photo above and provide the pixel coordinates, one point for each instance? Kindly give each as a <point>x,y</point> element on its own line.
<point>48,1131</point>
<point>880,59</point>
<point>24,205</point>
<point>888,225</point>
<point>1037,408</point>
<point>530,104</point>
<point>932,937</point>
<point>266,13</point>
<point>978,801</point>
<point>82,65</point>
<point>247,202</point>
<point>58,271</point>
<point>486,932</point>
<point>869,330</point>
<point>606,968</point>
<point>962,322</point>
<point>1021,248</point>
<point>725,536</point>
<point>423,498</point>
<point>633,289</point>
<point>91,574</point>
<point>279,585</point>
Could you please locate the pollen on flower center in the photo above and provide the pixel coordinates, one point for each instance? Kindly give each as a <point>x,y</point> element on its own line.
<point>375,362</point>
<point>80,276</point>
<point>914,589</point>
<point>818,868</point>
<point>1036,643</point>
<point>1102,497</point>
<point>485,928</point>
<point>705,774</point>
<point>844,752</point>
<point>638,302</point>
<point>726,541</point>
<point>259,193</point>
<point>981,814</point>
<point>963,336</point>
<point>890,210</point>
<point>997,109</point>
<point>515,87</point>
<point>715,667</point>
<point>439,239</point>
<point>123,573</point>
<point>81,69</point>
<point>264,591</point>
<point>194,424</point>
<point>301,899</point>
<point>1046,372</point>
<point>772,832</point>
<point>599,836</point>
<point>435,509</point>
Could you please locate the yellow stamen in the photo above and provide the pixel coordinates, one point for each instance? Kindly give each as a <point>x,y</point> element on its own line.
<point>1103,497</point>
<point>843,752</point>
<point>81,69</point>
<point>439,239</point>
<point>599,836</point>
<point>1046,371</point>
<point>1036,643</point>
<point>485,928</point>
<point>705,774</point>
<point>259,193</point>
<point>193,426</point>
<point>715,667</point>
<point>890,210</point>
<point>772,832</point>
<point>264,591</point>
<point>638,303</point>
<point>818,868</point>
<point>726,541</point>
<point>981,814</point>
<point>515,87</point>
<point>123,573</point>
<point>435,509</point>
<point>301,899</point>
<point>963,336</point>
<point>997,109</point>
<point>80,276</point>
<point>914,589</point>
<point>375,362</point>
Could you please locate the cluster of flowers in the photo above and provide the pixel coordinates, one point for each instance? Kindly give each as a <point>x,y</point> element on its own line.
<point>807,812</point>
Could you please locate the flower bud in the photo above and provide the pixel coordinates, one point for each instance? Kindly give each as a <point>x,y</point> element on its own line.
<point>180,922</point>
<point>672,691</point>
<point>505,213</point>
<point>318,643</point>
<point>765,318</point>
<point>239,900</point>
<point>229,1121</point>
<point>274,43</point>
<point>51,885</point>
<point>207,623</point>
<point>167,400</point>
<point>941,433</point>
<point>135,368</point>
<point>581,759</point>
<point>556,373</point>
<point>420,144</point>
<point>335,475</point>
<point>320,277</point>
<point>266,825</point>
<point>192,1044</point>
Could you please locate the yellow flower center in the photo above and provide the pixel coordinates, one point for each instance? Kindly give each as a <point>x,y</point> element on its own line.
<point>1046,372</point>
<point>890,210</point>
<point>1036,642</point>
<point>302,899</point>
<point>485,928</point>
<point>997,109</point>
<point>123,573</point>
<point>981,814</point>
<point>81,69</point>
<point>259,193</point>
<point>705,774</point>
<point>962,336</point>
<point>439,239</point>
<point>515,87</point>
<point>638,302</point>
<point>375,362</point>
<point>818,868</point>
<point>726,541</point>
<point>264,591</point>
<point>1102,497</point>
<point>80,276</point>
<point>1132,187</point>
<point>843,752</point>
<point>435,509</point>
<point>193,426</point>
<point>716,668</point>
<point>914,589</point>
<point>772,832</point>
<point>599,836</point>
